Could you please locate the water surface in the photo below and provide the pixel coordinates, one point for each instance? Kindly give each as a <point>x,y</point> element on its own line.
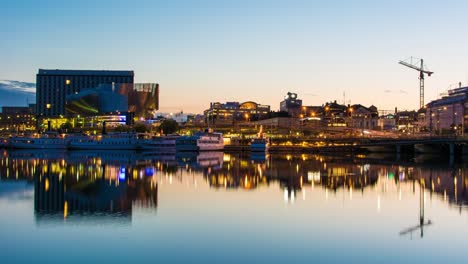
<point>122,207</point>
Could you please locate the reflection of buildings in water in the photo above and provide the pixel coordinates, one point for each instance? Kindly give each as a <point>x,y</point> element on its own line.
<point>451,185</point>
<point>237,172</point>
<point>68,195</point>
<point>293,172</point>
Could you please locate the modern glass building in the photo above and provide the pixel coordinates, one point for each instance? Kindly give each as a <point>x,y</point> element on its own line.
<point>140,99</point>
<point>53,86</point>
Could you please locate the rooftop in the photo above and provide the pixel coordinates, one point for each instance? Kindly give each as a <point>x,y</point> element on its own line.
<point>85,72</point>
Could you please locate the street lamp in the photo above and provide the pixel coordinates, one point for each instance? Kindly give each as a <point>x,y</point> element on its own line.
<point>247,116</point>
<point>350,110</point>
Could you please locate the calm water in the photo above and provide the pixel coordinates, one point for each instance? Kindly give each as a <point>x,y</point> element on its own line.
<point>122,207</point>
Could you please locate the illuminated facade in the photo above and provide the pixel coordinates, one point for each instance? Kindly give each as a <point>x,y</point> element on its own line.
<point>448,114</point>
<point>230,112</point>
<point>53,86</point>
<point>140,99</point>
<point>18,118</point>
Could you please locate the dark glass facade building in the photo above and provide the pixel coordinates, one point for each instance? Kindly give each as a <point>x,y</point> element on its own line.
<point>140,99</point>
<point>53,86</point>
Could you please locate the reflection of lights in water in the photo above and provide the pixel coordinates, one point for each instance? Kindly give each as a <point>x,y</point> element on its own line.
<point>326,194</point>
<point>260,171</point>
<point>350,193</point>
<point>424,197</point>
<point>378,203</point>
<point>303,194</point>
<point>297,167</point>
<point>399,194</point>
<point>366,167</point>
<point>285,196</point>
<point>170,179</point>
<point>293,196</point>
<point>445,195</point>
<point>46,184</point>
<point>65,209</point>
<point>122,174</point>
<point>402,176</point>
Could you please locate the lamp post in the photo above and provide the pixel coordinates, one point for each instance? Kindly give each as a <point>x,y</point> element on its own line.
<point>351,116</point>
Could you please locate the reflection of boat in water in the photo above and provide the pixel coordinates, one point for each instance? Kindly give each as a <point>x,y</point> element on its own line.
<point>201,160</point>
<point>120,156</point>
<point>258,156</point>
<point>117,141</point>
<point>47,154</point>
<point>47,140</point>
<point>202,141</point>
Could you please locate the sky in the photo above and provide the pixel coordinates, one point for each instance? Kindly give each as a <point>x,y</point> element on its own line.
<point>245,50</point>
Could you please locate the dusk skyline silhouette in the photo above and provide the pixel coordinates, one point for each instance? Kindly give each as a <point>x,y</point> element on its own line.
<point>258,51</point>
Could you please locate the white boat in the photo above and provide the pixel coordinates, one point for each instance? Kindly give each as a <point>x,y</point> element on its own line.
<point>117,141</point>
<point>40,141</point>
<point>201,141</point>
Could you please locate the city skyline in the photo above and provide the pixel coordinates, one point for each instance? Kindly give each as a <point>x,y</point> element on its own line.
<point>245,51</point>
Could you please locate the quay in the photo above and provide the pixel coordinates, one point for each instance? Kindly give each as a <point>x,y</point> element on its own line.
<point>453,146</point>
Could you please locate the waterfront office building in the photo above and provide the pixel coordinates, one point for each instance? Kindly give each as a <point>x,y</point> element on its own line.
<point>291,104</point>
<point>53,86</point>
<point>229,112</point>
<point>449,113</point>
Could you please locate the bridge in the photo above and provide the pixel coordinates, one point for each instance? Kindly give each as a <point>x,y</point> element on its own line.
<point>450,145</point>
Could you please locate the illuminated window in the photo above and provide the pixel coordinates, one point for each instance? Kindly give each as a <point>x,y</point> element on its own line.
<point>67,82</point>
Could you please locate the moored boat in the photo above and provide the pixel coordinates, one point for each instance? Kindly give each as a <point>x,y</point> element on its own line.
<point>259,145</point>
<point>47,140</point>
<point>164,144</point>
<point>117,141</point>
<point>201,141</point>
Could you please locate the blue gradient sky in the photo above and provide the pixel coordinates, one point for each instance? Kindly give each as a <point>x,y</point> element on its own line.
<point>245,50</point>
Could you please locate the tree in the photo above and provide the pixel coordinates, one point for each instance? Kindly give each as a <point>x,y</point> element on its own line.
<point>122,128</point>
<point>141,128</point>
<point>169,126</point>
<point>66,126</point>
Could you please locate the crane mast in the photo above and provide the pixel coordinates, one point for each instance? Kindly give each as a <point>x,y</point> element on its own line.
<point>419,66</point>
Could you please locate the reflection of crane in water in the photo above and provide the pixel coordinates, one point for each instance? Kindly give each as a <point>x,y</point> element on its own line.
<point>421,224</point>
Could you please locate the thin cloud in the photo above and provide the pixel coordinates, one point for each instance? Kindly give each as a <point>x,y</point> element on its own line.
<point>18,86</point>
<point>395,91</point>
